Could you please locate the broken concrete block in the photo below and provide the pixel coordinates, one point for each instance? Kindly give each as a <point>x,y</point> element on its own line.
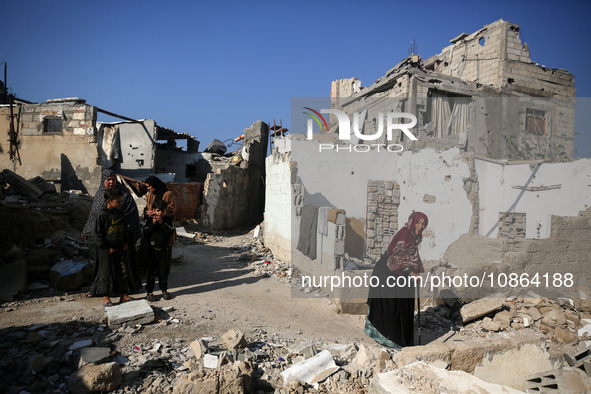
<point>68,274</point>
<point>575,359</point>
<point>210,361</point>
<point>503,319</point>
<point>198,348</point>
<point>95,378</point>
<point>20,184</point>
<point>534,313</point>
<point>307,349</point>
<point>554,316</point>
<point>310,370</point>
<point>490,325</point>
<point>341,351</point>
<point>13,280</point>
<point>94,355</point>
<point>559,381</point>
<point>449,297</point>
<point>481,307</point>
<point>133,312</point>
<point>365,357</point>
<point>421,377</point>
<point>233,339</point>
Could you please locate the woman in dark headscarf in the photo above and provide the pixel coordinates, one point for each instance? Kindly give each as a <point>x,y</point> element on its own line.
<point>391,308</point>
<point>129,209</point>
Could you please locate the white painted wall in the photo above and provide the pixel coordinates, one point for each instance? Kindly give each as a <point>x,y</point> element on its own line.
<point>278,199</point>
<point>339,179</point>
<point>498,195</point>
<point>449,216</point>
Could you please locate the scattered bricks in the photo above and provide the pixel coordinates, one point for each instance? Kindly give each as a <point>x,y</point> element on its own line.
<point>94,355</point>
<point>134,312</point>
<point>481,307</point>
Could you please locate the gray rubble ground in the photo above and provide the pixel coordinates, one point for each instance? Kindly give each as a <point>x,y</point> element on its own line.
<point>166,356</point>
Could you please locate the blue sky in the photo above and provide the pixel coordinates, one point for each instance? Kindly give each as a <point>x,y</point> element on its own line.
<point>213,68</point>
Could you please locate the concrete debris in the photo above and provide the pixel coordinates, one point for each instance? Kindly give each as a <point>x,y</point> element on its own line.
<point>422,377</point>
<point>133,312</point>
<point>311,370</point>
<point>481,307</point>
<point>94,355</point>
<point>559,381</point>
<point>95,378</point>
<point>69,274</point>
<point>233,339</point>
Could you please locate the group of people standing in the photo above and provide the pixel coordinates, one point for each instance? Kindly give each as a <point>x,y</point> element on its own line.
<point>114,227</point>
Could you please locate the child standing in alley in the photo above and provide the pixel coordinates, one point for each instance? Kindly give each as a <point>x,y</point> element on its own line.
<point>110,237</point>
<point>159,228</point>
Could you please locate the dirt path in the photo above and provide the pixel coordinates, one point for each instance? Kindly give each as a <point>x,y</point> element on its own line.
<point>213,292</point>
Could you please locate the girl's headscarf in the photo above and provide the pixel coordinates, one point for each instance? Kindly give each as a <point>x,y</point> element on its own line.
<point>128,207</point>
<point>157,184</point>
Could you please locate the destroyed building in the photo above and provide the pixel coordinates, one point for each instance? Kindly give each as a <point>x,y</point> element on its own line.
<point>482,94</point>
<point>491,167</point>
<point>61,141</point>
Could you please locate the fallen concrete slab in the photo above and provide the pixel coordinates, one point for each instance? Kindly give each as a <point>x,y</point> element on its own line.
<point>481,307</point>
<point>465,354</point>
<point>421,377</point>
<point>133,312</point>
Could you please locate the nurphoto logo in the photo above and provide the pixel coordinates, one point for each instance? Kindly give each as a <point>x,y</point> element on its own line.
<point>393,122</point>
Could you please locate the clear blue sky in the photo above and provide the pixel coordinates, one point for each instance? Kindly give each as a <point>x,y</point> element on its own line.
<point>213,68</point>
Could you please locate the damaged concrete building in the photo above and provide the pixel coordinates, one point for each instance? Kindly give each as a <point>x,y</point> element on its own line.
<point>62,141</point>
<point>491,166</point>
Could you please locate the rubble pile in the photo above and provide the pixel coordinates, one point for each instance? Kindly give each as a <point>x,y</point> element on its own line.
<point>82,356</point>
<point>261,259</point>
<point>40,242</point>
<point>559,320</point>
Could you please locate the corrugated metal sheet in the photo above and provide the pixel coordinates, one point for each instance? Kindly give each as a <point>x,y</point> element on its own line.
<point>187,197</point>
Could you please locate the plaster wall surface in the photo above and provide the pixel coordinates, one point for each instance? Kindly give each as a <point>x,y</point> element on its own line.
<point>174,161</point>
<point>563,189</point>
<point>430,182</point>
<point>68,158</point>
<point>137,148</point>
<point>279,205</point>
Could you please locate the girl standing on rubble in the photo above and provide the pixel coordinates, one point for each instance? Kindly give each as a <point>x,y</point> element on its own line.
<point>129,209</point>
<point>390,318</point>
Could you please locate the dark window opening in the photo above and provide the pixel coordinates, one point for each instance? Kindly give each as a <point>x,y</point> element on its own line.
<point>52,125</point>
<point>536,121</point>
<point>190,171</point>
